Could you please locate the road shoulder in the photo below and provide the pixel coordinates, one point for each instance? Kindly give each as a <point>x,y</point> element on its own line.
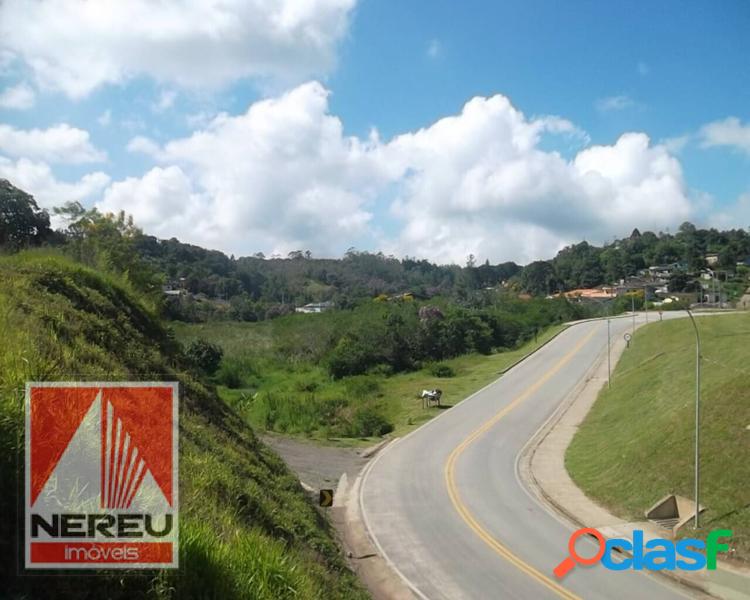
<point>541,469</point>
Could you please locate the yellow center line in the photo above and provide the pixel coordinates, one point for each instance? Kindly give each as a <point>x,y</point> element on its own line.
<point>462,509</point>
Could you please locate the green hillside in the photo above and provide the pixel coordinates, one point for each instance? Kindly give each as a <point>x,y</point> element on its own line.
<point>636,444</point>
<point>247,529</point>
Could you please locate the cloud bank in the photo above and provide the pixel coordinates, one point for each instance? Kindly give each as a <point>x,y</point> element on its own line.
<point>284,176</point>
<point>76,46</point>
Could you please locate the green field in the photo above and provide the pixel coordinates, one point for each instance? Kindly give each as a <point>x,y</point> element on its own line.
<point>247,529</point>
<point>636,444</point>
<point>302,399</point>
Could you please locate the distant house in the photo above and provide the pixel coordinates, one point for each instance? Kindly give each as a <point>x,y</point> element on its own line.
<point>711,259</point>
<point>632,284</point>
<point>589,294</point>
<point>663,271</point>
<point>315,307</point>
<point>171,289</point>
<point>744,263</point>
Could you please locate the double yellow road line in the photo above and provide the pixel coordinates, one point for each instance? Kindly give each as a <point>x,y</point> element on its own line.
<point>462,509</point>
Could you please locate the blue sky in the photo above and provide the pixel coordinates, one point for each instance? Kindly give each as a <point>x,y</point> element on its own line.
<point>326,124</point>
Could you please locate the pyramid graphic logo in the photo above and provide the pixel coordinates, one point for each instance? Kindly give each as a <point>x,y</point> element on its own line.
<point>101,475</point>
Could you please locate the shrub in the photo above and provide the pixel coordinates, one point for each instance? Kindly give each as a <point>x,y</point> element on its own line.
<point>361,387</point>
<point>204,356</point>
<point>232,373</point>
<point>307,385</point>
<point>442,370</point>
<point>368,422</point>
<point>351,356</point>
<point>383,369</point>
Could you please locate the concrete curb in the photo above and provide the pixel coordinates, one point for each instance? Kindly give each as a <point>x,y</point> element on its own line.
<point>540,468</point>
<point>372,450</point>
<point>379,576</point>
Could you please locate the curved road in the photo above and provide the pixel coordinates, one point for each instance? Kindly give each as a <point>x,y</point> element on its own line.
<point>447,509</point>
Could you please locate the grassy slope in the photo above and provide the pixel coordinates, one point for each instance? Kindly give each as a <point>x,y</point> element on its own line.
<point>247,529</point>
<point>637,442</point>
<point>395,396</point>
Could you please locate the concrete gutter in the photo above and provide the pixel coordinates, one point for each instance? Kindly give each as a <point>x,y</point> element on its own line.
<point>541,468</point>
<point>365,558</point>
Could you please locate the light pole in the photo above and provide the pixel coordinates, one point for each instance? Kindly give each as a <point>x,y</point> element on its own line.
<point>609,353</point>
<point>632,309</point>
<point>608,305</point>
<point>697,415</point>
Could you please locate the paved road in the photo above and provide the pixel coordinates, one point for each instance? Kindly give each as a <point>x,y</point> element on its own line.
<point>447,508</point>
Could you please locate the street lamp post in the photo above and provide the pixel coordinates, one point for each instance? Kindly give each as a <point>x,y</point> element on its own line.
<point>697,416</point>
<point>609,354</point>
<point>608,305</point>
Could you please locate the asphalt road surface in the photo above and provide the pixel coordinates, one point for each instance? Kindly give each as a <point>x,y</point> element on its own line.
<point>447,509</point>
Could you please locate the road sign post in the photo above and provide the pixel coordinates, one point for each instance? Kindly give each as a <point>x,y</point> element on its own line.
<point>325,499</point>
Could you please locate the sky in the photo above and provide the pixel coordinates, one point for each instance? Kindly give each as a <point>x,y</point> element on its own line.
<point>430,129</point>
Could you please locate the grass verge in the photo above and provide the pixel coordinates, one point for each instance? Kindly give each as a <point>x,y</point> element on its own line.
<point>301,399</point>
<point>636,444</point>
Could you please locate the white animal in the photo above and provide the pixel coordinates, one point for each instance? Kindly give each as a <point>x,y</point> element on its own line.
<point>431,396</point>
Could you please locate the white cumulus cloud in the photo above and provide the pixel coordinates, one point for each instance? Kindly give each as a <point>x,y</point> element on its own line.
<point>283,176</point>
<point>78,45</point>
<point>163,199</point>
<point>612,103</point>
<point>280,177</point>
<point>37,178</point>
<point>479,183</point>
<point>730,132</point>
<point>58,144</point>
<point>20,97</point>
<point>143,145</point>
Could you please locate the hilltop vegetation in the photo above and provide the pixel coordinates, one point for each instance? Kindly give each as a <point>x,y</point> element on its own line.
<point>247,530</point>
<point>584,265</point>
<point>209,285</point>
<point>255,288</point>
<point>647,420</point>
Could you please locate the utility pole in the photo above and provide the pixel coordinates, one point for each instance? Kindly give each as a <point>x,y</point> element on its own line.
<point>697,417</point>
<point>632,309</point>
<point>609,346</point>
<point>609,359</point>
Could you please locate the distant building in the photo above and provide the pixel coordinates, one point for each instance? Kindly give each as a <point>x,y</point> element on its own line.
<point>315,307</point>
<point>663,271</point>
<point>589,294</point>
<point>172,289</point>
<point>634,284</point>
<point>711,259</point>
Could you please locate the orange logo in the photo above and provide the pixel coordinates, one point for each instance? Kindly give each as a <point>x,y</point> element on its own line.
<point>101,475</point>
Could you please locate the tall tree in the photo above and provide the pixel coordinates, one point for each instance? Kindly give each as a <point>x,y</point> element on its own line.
<point>22,222</point>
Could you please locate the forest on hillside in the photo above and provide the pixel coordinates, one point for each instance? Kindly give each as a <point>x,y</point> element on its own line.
<point>208,284</point>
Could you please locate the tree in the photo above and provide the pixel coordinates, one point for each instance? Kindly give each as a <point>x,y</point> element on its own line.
<point>204,356</point>
<point>22,222</point>
<point>107,241</point>
<point>538,277</point>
